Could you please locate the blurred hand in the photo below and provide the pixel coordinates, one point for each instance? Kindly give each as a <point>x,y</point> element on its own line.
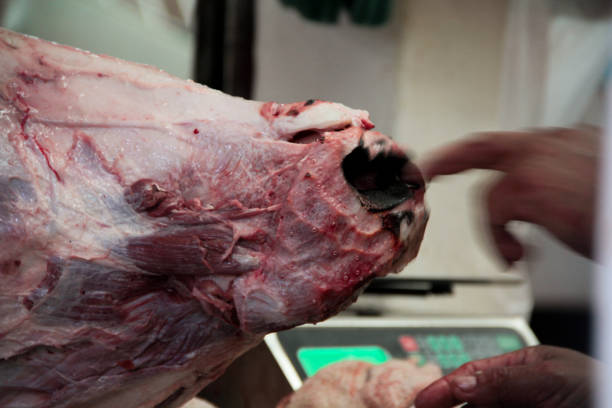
<point>534,377</point>
<point>549,178</point>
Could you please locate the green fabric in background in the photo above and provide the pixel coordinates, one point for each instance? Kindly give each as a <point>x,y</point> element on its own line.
<point>365,12</point>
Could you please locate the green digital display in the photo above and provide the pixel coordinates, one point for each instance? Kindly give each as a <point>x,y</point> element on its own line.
<point>508,342</point>
<point>313,359</point>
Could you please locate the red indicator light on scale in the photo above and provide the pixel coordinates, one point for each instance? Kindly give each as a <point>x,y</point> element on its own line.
<point>408,343</point>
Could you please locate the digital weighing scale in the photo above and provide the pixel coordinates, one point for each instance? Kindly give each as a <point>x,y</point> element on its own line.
<point>368,332</point>
<point>449,343</point>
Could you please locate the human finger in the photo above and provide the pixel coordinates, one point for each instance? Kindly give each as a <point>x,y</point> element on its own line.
<point>507,386</point>
<point>493,150</point>
<point>441,393</point>
<point>505,203</point>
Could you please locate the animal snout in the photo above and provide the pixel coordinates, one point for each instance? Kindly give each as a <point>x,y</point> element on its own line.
<point>384,181</point>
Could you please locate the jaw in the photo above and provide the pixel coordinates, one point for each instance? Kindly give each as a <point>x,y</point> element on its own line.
<point>316,290</point>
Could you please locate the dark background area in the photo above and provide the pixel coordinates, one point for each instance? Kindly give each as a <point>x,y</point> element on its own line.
<point>569,327</point>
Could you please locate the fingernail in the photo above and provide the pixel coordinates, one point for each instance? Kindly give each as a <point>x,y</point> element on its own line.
<point>465,383</point>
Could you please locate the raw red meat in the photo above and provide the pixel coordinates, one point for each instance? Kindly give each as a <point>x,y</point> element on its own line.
<point>154,229</point>
<point>358,384</point>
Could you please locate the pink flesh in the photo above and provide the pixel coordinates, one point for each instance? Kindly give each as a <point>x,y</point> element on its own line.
<point>358,384</point>
<point>154,229</point>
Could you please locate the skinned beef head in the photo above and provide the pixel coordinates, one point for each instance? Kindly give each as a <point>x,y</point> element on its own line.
<point>153,229</point>
<point>292,227</point>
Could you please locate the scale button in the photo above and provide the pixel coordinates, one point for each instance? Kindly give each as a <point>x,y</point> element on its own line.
<point>433,342</point>
<point>441,358</point>
<point>420,359</point>
<point>463,358</point>
<point>459,359</point>
<point>508,342</point>
<point>408,343</point>
<point>447,361</point>
<point>454,343</point>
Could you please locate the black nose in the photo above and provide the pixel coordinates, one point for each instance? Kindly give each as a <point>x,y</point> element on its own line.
<point>382,182</point>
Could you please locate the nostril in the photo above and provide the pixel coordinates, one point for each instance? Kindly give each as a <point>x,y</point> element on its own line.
<point>382,182</point>
<point>411,175</point>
